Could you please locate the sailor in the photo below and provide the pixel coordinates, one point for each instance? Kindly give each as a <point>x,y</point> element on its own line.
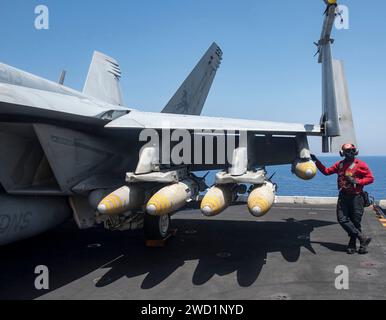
<point>353,176</point>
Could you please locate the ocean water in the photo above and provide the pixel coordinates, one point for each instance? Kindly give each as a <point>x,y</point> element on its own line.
<point>321,186</point>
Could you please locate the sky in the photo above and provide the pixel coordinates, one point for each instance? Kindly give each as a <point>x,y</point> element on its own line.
<point>268,72</point>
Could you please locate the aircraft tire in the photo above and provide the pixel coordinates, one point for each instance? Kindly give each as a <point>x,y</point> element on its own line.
<point>157,227</point>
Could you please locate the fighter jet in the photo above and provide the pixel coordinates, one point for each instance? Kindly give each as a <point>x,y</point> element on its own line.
<point>67,153</point>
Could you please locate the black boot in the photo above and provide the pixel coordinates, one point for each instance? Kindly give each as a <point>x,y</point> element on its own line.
<point>365,242</point>
<point>352,246</point>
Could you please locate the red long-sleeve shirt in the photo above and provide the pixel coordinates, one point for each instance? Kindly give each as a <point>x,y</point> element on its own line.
<point>357,169</point>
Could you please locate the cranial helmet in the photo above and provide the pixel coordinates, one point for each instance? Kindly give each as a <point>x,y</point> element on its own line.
<point>347,147</point>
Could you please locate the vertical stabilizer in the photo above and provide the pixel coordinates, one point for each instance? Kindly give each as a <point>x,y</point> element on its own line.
<point>191,96</point>
<point>103,80</point>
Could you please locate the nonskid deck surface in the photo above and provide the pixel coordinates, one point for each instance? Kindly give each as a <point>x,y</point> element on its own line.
<point>292,253</point>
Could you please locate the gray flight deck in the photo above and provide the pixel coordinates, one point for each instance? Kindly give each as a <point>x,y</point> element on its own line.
<point>291,254</point>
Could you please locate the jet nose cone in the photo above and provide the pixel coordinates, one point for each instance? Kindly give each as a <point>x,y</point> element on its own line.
<point>151,209</point>
<point>207,211</point>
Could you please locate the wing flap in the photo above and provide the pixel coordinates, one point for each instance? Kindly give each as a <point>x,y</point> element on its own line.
<point>147,120</point>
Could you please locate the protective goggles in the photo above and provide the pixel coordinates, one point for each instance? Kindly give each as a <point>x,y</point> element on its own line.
<point>350,151</point>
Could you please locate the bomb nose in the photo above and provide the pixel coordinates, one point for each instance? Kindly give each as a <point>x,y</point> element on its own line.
<point>102,208</point>
<point>207,211</point>
<point>151,209</point>
<point>256,211</point>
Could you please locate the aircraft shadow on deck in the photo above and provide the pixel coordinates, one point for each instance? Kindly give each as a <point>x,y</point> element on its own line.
<point>220,247</point>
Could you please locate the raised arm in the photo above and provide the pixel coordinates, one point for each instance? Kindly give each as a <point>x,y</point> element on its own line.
<point>326,171</point>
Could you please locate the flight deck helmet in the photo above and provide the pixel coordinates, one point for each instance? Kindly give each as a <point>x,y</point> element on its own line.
<point>349,148</point>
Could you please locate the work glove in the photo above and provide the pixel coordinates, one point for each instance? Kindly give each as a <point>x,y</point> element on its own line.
<point>314,158</point>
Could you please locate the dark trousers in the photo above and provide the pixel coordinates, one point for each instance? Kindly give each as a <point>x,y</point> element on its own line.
<point>350,213</point>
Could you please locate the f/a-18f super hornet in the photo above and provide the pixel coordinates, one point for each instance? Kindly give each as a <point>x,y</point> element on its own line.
<point>64,152</point>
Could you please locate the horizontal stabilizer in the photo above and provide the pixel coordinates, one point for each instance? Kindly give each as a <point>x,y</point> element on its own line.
<point>191,96</point>
<point>19,102</point>
<point>103,80</point>
<point>12,76</point>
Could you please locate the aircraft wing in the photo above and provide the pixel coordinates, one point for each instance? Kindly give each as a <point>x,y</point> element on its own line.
<point>147,120</point>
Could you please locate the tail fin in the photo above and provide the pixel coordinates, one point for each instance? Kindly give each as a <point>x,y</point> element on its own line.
<point>337,119</point>
<point>103,79</point>
<point>191,96</point>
